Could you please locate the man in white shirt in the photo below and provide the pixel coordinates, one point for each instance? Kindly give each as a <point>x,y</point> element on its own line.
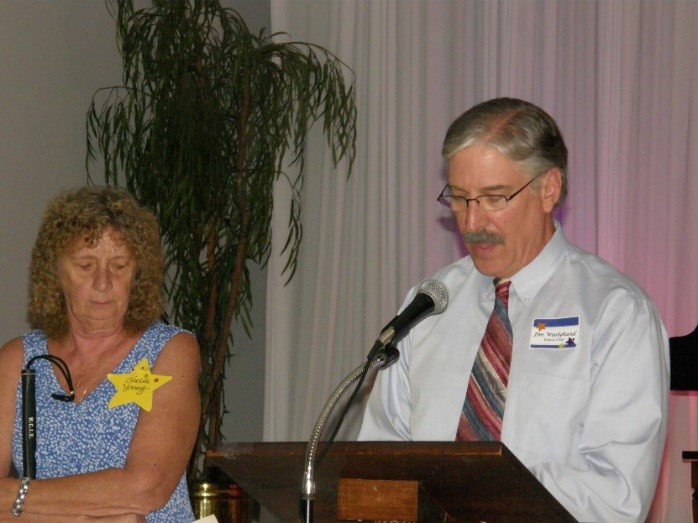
<point>586,399</point>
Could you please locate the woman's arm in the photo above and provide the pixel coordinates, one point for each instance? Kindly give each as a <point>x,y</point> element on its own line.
<point>6,517</point>
<point>157,458</point>
<point>11,360</point>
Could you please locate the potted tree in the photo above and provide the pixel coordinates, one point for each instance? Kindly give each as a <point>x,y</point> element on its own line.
<point>206,119</point>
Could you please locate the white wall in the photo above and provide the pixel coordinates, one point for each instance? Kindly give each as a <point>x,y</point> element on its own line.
<point>53,56</point>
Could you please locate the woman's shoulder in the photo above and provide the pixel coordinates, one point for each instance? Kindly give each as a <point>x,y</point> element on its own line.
<point>12,356</point>
<point>160,329</point>
<point>15,352</point>
<point>176,348</point>
<point>160,336</point>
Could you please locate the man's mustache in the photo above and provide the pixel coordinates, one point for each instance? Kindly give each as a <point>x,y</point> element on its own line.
<point>482,237</point>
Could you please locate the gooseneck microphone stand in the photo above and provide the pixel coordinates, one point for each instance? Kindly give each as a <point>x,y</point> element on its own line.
<point>380,359</point>
<point>29,409</point>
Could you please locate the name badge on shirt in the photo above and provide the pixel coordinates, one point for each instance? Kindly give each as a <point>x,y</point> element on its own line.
<point>555,333</point>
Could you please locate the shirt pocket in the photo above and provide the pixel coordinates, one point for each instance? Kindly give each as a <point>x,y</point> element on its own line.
<point>546,417</point>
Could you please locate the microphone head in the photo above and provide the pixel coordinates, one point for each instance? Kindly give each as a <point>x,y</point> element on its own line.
<point>438,292</point>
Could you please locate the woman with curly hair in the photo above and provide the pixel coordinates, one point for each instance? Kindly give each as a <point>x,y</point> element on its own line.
<point>117,450</point>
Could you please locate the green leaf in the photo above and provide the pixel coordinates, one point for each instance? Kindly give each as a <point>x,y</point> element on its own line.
<point>206,119</point>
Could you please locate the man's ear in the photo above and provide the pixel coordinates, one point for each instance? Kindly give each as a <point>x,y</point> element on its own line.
<point>550,189</point>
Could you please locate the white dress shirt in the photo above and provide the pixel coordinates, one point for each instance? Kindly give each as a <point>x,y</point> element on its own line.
<point>587,395</point>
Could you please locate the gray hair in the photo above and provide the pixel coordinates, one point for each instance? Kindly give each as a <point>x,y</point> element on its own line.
<point>519,130</point>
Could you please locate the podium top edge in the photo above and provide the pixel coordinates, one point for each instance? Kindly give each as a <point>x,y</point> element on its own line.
<point>485,448</point>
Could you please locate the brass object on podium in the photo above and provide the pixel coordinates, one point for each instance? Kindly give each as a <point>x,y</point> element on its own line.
<point>228,502</point>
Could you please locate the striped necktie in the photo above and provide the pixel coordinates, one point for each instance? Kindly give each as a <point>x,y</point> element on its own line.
<point>481,417</point>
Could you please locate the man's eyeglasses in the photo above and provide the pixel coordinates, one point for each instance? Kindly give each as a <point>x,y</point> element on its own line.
<point>486,202</point>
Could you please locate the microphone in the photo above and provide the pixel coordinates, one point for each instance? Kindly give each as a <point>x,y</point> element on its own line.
<point>431,298</point>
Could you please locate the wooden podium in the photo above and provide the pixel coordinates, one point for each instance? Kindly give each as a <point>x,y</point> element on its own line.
<point>413,481</point>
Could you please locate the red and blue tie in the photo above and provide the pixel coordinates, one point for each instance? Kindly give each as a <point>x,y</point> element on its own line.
<point>481,417</point>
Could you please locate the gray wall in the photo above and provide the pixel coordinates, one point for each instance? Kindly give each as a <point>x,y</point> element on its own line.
<point>245,371</point>
<point>53,56</point>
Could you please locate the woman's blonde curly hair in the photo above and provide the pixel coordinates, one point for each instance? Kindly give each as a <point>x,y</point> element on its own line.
<point>82,215</point>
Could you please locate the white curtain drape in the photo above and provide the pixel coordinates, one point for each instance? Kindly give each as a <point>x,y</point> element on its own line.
<point>618,76</point>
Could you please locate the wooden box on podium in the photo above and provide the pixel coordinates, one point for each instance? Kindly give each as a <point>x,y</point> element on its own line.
<point>425,481</point>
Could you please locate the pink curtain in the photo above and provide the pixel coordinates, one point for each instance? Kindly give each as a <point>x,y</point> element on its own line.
<point>618,76</point>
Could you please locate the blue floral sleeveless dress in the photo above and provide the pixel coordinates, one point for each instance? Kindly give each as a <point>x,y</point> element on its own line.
<point>76,439</point>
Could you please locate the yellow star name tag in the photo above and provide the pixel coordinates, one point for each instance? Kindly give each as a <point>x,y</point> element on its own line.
<point>137,386</point>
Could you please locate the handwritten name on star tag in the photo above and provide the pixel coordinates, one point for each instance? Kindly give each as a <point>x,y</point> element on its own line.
<point>555,333</point>
<point>137,386</point>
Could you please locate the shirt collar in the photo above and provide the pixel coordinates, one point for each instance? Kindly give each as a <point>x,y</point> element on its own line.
<point>528,281</point>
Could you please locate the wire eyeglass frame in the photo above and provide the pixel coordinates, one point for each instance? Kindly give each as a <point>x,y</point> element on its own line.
<point>486,202</point>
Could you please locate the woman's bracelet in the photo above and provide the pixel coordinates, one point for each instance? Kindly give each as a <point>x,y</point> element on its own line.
<point>21,494</point>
